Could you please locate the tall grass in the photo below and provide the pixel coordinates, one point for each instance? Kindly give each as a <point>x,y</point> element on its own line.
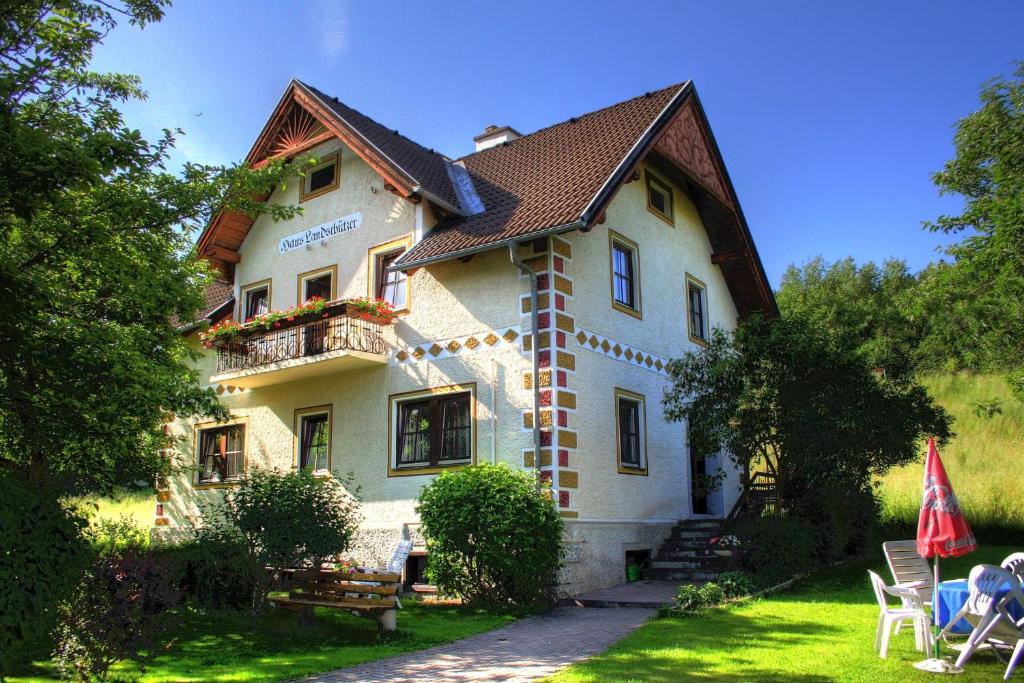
<point>139,505</point>
<point>985,460</point>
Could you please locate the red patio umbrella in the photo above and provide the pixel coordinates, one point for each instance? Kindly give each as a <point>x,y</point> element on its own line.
<point>942,530</point>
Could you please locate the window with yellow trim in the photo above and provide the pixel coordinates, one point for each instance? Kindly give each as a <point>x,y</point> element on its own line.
<point>697,310</point>
<point>659,198</point>
<point>625,274</point>
<point>630,428</point>
<point>313,440</point>
<point>432,429</point>
<point>321,178</point>
<point>221,453</point>
<point>392,287</point>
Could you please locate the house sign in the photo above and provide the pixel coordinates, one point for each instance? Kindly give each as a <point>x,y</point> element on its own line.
<point>320,233</point>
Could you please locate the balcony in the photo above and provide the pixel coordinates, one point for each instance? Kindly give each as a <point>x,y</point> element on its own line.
<point>337,340</point>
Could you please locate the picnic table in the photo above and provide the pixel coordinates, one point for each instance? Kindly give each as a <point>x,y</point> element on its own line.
<point>953,595</point>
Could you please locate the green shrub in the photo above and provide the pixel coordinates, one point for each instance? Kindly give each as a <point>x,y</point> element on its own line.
<point>220,570</point>
<point>273,519</point>
<point>735,584</point>
<point>42,556</point>
<point>711,594</point>
<point>115,612</point>
<point>493,537</point>
<point>690,598</point>
<point>108,537</point>
<point>776,549</point>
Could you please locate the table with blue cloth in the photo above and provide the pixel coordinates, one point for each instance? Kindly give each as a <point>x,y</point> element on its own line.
<point>953,596</point>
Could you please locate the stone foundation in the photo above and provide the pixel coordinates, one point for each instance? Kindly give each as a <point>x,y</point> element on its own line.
<point>596,552</point>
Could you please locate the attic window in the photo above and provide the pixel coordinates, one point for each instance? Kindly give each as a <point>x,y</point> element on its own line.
<point>321,178</point>
<point>659,199</point>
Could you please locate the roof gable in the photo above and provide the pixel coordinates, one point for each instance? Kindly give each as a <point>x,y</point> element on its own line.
<point>305,117</point>
<point>562,178</point>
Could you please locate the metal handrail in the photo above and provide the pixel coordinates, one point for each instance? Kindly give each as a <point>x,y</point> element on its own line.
<point>338,331</point>
<point>760,497</point>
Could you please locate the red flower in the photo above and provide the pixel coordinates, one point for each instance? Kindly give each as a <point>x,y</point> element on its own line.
<point>277,324</point>
<point>291,318</point>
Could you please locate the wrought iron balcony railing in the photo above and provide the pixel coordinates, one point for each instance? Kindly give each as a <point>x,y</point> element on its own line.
<point>338,331</point>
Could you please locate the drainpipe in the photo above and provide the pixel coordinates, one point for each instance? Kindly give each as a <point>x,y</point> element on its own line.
<point>535,343</point>
<point>494,412</point>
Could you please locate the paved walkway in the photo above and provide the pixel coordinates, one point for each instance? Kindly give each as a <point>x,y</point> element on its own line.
<point>650,594</point>
<point>526,650</point>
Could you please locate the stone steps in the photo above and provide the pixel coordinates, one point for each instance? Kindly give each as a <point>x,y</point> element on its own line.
<point>684,557</point>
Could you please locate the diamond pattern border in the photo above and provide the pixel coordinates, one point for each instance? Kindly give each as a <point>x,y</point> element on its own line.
<point>457,346</point>
<point>621,351</point>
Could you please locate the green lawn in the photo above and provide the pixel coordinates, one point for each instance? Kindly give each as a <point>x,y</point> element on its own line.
<point>228,646</point>
<point>982,446</point>
<point>822,629</point>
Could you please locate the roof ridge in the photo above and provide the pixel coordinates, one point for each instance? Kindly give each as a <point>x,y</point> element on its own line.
<point>573,119</point>
<point>336,100</point>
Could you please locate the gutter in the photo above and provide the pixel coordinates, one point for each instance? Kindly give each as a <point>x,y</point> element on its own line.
<point>507,242</point>
<point>534,350</point>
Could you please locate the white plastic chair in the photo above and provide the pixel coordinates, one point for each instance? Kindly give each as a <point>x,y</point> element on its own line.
<point>993,623</point>
<point>909,567</point>
<point>1014,563</point>
<point>911,609</point>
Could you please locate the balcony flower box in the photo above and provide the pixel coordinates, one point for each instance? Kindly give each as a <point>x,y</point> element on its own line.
<point>228,331</point>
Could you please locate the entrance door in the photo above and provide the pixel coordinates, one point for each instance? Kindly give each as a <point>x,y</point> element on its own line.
<point>698,493</point>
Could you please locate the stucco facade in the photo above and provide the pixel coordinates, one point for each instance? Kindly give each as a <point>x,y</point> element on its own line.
<point>468,327</point>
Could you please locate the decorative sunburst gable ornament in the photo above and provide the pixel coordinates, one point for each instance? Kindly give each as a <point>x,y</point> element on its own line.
<point>298,131</point>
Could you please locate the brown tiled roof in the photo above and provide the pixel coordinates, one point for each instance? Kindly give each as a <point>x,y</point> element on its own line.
<point>425,167</point>
<point>547,178</point>
<point>218,293</point>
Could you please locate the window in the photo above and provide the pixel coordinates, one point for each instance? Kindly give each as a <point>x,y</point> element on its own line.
<point>659,199</point>
<point>221,452</point>
<point>625,275</point>
<point>391,287</point>
<point>321,178</point>
<point>630,427</point>
<point>697,309</point>
<point>432,429</point>
<point>313,438</point>
<point>255,299</point>
<point>318,285</point>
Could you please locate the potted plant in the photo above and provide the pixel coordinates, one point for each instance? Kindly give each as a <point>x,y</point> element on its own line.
<point>376,311</point>
<point>228,330</point>
<point>725,546</point>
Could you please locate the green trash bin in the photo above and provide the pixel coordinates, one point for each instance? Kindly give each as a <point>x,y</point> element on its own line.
<point>632,573</point>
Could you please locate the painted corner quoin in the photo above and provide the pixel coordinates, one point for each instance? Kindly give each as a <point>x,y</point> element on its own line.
<point>551,259</point>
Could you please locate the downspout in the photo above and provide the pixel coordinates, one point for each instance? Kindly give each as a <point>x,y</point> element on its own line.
<point>494,412</point>
<point>535,343</point>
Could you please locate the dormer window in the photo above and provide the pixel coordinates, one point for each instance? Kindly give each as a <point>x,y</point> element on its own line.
<point>659,199</point>
<point>321,178</point>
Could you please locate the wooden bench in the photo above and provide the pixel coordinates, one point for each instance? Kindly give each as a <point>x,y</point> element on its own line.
<point>373,595</point>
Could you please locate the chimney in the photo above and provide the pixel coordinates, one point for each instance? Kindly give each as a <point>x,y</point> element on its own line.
<point>495,135</point>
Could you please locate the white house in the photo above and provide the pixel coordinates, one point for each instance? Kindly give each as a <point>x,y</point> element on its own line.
<point>542,283</point>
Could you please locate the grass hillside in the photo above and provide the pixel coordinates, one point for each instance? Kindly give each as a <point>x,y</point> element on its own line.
<point>985,460</point>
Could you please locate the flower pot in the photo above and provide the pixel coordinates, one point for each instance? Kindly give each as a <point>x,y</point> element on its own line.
<point>369,317</point>
<point>722,552</point>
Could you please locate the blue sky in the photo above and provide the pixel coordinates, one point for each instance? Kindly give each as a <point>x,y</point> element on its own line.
<point>830,116</point>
